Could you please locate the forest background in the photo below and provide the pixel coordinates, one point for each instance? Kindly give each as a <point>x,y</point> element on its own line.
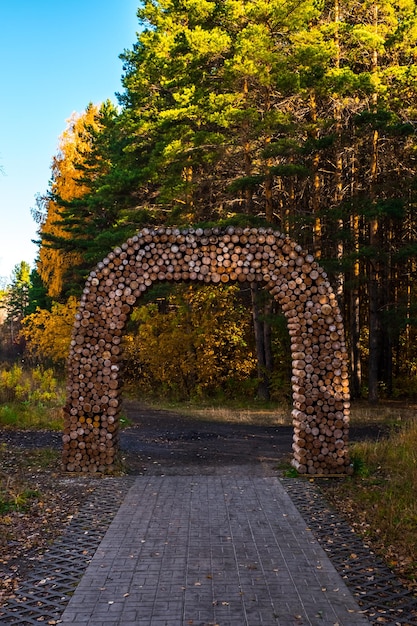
<point>300,115</point>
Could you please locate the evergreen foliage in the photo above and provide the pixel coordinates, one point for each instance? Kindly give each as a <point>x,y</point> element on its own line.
<point>18,292</point>
<point>301,113</point>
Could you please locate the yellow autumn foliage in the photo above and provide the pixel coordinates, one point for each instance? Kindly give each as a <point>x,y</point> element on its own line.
<point>199,346</point>
<point>48,333</point>
<point>73,146</point>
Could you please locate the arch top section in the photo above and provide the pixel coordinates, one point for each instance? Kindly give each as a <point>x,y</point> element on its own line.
<point>209,255</point>
<point>213,255</point>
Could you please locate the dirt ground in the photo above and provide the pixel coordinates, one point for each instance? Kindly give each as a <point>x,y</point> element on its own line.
<point>170,440</point>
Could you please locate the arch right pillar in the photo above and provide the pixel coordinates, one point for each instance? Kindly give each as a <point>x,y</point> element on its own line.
<point>320,377</point>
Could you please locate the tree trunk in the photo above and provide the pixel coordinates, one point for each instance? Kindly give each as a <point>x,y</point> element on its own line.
<point>374,278</point>
<point>315,196</point>
<point>262,330</point>
<point>374,336</point>
<point>374,264</point>
<point>269,205</point>
<point>356,372</point>
<point>338,170</point>
<point>247,156</point>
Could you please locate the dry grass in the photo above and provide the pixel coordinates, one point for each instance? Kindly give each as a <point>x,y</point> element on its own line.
<point>247,416</point>
<point>389,413</point>
<point>392,414</point>
<point>379,500</point>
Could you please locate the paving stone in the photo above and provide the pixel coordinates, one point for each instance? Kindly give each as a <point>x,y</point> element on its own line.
<point>211,537</point>
<point>205,550</point>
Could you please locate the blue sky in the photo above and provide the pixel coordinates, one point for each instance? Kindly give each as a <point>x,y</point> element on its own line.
<point>55,58</point>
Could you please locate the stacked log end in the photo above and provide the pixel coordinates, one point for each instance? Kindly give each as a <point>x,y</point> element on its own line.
<point>319,359</point>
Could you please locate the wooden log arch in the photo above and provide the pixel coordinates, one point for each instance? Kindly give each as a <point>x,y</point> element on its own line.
<point>319,358</point>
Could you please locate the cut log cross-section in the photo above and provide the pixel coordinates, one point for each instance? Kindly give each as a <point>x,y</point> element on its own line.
<point>320,382</point>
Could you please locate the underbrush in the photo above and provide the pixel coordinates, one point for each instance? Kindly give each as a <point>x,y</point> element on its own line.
<point>15,498</point>
<point>33,508</point>
<point>18,469</point>
<point>30,399</point>
<point>379,499</point>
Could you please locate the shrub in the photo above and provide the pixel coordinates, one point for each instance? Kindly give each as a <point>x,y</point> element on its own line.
<point>38,385</point>
<point>196,346</point>
<point>30,398</point>
<point>48,333</point>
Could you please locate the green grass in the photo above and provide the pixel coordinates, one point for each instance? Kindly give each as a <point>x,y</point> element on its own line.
<point>16,499</point>
<point>124,421</point>
<point>30,416</point>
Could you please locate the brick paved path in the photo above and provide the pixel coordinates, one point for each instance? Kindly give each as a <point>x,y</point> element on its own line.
<point>205,550</point>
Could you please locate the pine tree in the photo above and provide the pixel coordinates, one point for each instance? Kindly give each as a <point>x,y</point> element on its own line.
<point>17,300</point>
<point>91,205</point>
